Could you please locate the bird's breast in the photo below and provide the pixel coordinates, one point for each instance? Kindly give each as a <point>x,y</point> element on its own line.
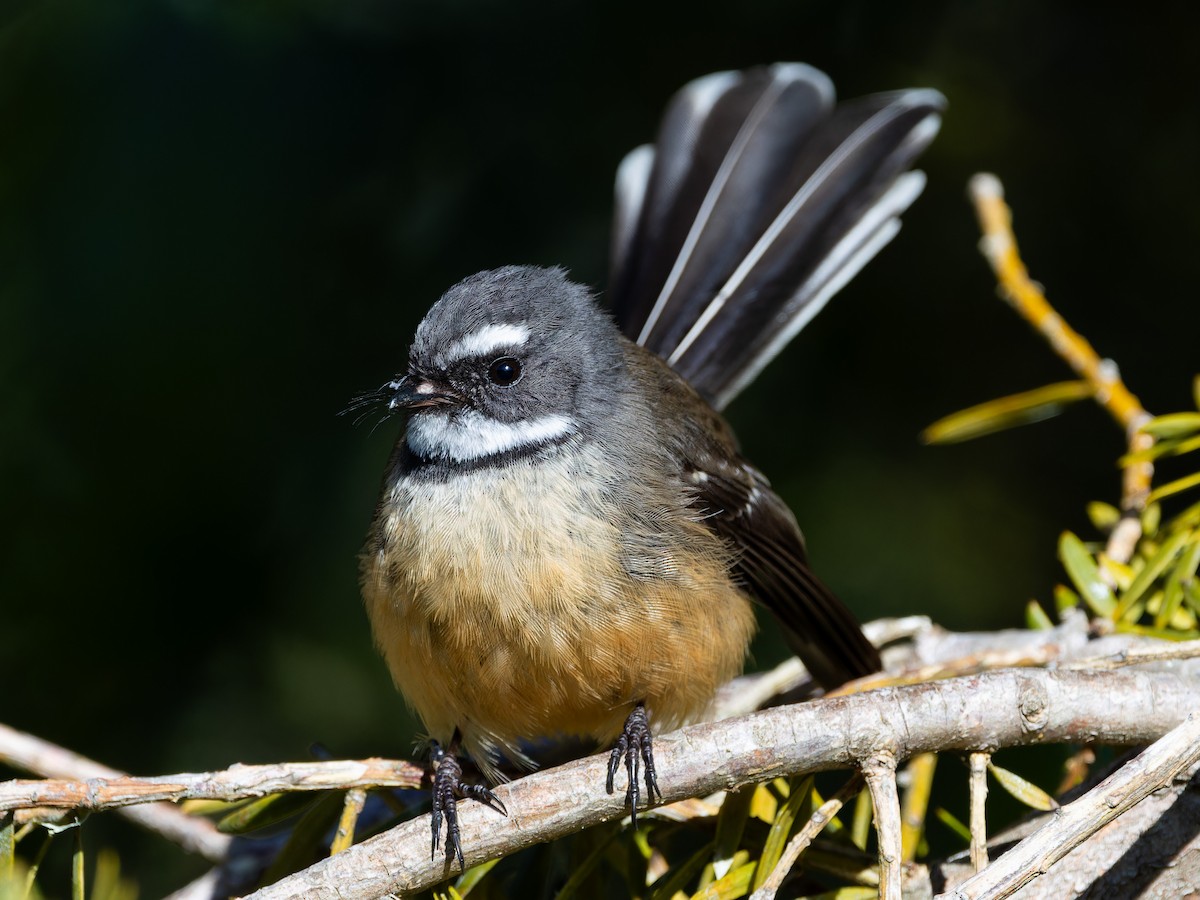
<point>505,604</point>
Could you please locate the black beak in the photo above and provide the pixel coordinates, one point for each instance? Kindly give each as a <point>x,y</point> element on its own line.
<point>410,392</point>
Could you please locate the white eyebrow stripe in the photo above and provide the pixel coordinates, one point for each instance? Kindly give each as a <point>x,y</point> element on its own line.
<point>485,340</point>
<point>468,435</point>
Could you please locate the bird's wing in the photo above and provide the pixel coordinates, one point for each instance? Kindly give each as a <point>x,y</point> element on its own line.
<point>737,502</point>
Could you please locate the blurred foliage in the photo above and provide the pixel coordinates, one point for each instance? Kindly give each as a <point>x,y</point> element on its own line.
<point>219,221</point>
<point>1156,592</point>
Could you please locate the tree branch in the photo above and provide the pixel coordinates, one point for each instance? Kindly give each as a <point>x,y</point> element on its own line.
<point>999,247</point>
<point>996,709</point>
<point>32,754</point>
<point>1071,825</point>
<point>235,783</point>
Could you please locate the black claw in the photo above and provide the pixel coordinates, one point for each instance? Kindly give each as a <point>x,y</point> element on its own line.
<point>448,786</point>
<point>635,748</point>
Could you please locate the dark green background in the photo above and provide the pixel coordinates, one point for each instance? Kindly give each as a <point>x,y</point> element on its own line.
<point>219,221</point>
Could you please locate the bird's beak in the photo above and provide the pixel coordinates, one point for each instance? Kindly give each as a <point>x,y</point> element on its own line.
<point>411,392</point>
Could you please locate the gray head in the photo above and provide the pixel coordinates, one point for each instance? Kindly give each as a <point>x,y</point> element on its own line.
<point>504,362</point>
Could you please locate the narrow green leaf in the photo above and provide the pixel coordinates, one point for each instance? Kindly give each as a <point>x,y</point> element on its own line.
<point>1191,562</point>
<point>1064,598</point>
<point>951,821</point>
<point>1189,518</point>
<point>1173,425</point>
<point>38,859</point>
<point>306,844</point>
<point>1191,594</point>
<point>1163,634</point>
<point>1196,390</point>
<point>674,881</point>
<point>1174,487</point>
<point>1025,791</point>
<point>799,805</point>
<point>78,891</point>
<point>1172,597</point>
<point>1036,618</point>
<point>1153,568</point>
<point>1006,412</point>
<point>733,885</point>
<point>1171,447</point>
<point>731,822</point>
<point>8,846</point>
<point>581,873</point>
<point>264,811</point>
<point>1082,569</point>
<point>864,810</point>
<point>1151,518</point>
<point>474,875</point>
<point>1103,515</point>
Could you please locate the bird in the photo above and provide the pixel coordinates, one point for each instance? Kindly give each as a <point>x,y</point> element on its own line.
<point>568,540</point>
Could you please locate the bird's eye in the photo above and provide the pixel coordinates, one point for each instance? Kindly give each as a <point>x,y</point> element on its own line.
<point>504,371</point>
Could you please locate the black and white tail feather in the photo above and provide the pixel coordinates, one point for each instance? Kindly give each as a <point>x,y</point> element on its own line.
<point>761,198</point>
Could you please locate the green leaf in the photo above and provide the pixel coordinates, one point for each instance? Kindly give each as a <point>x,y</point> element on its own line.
<point>1036,618</point>
<point>673,881</point>
<point>7,846</point>
<point>1172,598</point>
<point>1103,515</point>
<point>1082,569</point>
<point>864,811</point>
<point>1006,412</point>
<point>1186,570</point>
<point>1196,390</point>
<point>799,804</point>
<point>1163,634</point>
<point>952,822</point>
<point>850,892</point>
<point>1174,487</point>
<point>1153,568</point>
<point>1170,447</point>
<point>582,872</point>
<point>1151,518</point>
<point>731,822</point>
<point>306,842</point>
<point>265,811</point>
<point>733,885</point>
<point>78,890</point>
<point>1173,425</point>
<point>1064,598</point>
<point>1025,791</point>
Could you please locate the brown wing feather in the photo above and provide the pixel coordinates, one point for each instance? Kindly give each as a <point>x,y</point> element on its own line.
<point>735,500</point>
<point>738,504</point>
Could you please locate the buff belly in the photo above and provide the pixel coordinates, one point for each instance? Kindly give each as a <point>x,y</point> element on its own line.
<point>507,610</point>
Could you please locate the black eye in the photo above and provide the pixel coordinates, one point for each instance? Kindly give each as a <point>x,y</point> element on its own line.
<point>504,371</point>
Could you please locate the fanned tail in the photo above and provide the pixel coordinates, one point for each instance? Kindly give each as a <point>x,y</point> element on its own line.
<point>759,201</point>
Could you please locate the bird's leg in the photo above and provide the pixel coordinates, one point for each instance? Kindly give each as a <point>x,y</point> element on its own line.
<point>633,746</point>
<point>448,786</point>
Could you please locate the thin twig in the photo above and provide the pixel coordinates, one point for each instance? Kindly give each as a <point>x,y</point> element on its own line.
<point>979,790</point>
<point>351,810</point>
<point>805,836</point>
<point>1138,654</point>
<point>235,783</point>
<point>750,692</point>
<point>32,754</point>
<point>1074,823</point>
<point>999,247</point>
<point>880,773</point>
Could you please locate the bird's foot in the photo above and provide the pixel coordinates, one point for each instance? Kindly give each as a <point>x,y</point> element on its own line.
<point>635,748</point>
<point>448,786</point>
